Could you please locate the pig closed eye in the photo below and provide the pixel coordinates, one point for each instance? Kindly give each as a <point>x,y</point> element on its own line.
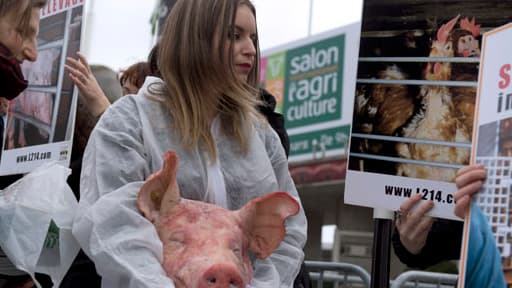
<point>236,250</point>
<point>177,238</point>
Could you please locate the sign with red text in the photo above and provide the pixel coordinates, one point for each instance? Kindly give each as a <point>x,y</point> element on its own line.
<point>492,144</point>
<point>38,124</point>
<point>58,6</point>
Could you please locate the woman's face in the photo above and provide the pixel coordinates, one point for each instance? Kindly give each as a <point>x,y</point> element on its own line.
<point>23,48</point>
<point>244,39</point>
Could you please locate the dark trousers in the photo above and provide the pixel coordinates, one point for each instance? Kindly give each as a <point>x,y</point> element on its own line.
<point>302,280</point>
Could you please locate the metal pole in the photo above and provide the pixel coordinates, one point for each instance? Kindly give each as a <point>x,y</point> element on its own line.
<point>89,20</point>
<point>383,226</point>
<point>310,17</point>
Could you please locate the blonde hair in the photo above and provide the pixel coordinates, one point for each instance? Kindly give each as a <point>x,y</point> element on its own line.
<point>197,83</point>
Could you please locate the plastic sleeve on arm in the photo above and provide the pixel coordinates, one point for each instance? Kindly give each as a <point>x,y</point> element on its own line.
<point>287,258</point>
<point>123,245</point>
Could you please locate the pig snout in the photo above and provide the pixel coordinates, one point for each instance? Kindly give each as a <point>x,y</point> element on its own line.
<point>221,276</point>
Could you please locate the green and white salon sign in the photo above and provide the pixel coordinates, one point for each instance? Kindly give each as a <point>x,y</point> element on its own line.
<point>314,83</point>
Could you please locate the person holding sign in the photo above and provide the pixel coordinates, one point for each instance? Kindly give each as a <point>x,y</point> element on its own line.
<point>98,86</point>
<point>205,109</point>
<point>19,26</point>
<point>421,241</point>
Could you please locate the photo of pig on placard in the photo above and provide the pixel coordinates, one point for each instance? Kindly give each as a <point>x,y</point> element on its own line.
<point>45,71</point>
<point>22,132</point>
<point>38,124</point>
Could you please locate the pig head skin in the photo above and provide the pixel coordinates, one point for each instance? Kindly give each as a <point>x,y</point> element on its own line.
<point>205,245</point>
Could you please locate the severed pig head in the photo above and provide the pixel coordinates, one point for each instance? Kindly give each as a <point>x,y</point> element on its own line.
<point>205,245</point>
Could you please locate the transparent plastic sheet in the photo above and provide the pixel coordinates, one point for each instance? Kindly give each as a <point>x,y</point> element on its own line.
<point>36,216</point>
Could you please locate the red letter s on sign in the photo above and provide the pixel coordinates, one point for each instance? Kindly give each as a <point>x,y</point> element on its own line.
<point>505,82</point>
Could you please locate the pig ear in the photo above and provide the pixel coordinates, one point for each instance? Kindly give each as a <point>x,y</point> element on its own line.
<point>160,189</point>
<point>263,221</point>
<point>148,200</point>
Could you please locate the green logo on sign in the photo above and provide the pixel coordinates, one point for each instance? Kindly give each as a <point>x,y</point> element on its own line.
<point>275,66</point>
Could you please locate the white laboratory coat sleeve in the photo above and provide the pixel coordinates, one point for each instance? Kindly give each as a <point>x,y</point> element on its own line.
<point>286,260</point>
<point>123,245</point>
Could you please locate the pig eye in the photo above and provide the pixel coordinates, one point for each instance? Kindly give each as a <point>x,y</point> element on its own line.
<point>172,239</point>
<point>178,238</point>
<point>236,250</point>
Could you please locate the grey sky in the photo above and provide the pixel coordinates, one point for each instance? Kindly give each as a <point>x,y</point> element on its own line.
<point>118,31</point>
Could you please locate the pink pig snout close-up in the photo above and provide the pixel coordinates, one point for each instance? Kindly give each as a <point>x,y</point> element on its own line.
<point>207,246</point>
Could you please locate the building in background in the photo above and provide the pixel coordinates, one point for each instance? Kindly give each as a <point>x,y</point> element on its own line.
<point>161,12</point>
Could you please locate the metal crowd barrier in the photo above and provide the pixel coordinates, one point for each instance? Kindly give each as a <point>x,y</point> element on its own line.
<point>338,273</point>
<point>424,279</point>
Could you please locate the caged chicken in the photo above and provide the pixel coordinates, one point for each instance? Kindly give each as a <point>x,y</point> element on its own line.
<point>382,111</point>
<point>465,44</point>
<point>387,107</point>
<point>383,108</point>
<point>426,112</point>
<point>440,117</point>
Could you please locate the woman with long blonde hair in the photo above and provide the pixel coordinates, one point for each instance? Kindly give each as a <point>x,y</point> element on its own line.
<point>204,109</point>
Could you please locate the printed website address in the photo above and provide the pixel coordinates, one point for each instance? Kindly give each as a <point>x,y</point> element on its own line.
<point>406,192</point>
<point>33,156</point>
